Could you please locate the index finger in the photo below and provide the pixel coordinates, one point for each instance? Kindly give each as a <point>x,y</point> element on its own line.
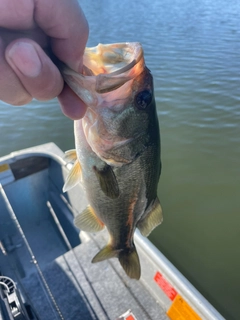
<point>16,14</point>
<point>65,22</point>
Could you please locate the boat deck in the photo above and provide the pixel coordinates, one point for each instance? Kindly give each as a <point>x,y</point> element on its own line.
<point>90,291</point>
<point>29,203</point>
<point>41,251</point>
<point>64,284</point>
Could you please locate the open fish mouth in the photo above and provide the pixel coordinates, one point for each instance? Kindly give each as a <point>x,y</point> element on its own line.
<point>112,59</point>
<point>106,88</point>
<point>106,68</point>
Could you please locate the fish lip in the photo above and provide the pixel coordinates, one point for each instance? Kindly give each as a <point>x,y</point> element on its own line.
<point>91,85</point>
<point>134,48</point>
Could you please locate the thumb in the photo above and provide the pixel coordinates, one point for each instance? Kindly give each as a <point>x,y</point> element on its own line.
<point>39,76</point>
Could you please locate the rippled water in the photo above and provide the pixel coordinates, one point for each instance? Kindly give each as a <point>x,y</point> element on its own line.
<point>193,50</point>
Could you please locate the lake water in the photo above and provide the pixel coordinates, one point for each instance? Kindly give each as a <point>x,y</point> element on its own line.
<point>193,50</point>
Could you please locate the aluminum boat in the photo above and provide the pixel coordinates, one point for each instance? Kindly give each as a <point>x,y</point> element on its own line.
<point>45,262</point>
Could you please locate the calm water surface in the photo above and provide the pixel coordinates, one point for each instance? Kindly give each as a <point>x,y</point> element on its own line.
<point>193,50</point>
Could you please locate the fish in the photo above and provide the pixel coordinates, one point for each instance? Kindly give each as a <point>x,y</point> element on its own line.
<point>117,156</point>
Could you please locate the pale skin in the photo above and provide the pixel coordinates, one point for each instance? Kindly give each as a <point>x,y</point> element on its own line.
<point>27,28</point>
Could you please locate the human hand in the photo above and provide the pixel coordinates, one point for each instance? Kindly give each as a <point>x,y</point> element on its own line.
<point>27,28</point>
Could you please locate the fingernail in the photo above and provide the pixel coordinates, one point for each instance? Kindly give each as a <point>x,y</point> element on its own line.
<point>25,58</point>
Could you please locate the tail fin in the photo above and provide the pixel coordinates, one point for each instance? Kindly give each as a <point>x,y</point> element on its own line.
<point>105,253</point>
<point>130,262</point>
<point>128,259</point>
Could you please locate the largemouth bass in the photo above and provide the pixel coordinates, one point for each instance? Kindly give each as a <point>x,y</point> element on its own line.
<point>117,156</point>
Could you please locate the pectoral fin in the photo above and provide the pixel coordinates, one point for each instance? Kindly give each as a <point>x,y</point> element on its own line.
<point>107,181</point>
<point>88,221</point>
<point>73,177</point>
<point>152,220</point>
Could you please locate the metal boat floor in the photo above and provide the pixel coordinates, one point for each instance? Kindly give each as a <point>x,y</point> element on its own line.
<point>83,290</point>
<point>51,267</point>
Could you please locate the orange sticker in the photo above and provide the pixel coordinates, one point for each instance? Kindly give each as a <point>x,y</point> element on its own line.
<point>181,310</point>
<point>165,286</point>
<point>4,167</point>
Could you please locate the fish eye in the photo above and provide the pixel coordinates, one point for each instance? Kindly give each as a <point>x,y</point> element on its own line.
<point>143,99</point>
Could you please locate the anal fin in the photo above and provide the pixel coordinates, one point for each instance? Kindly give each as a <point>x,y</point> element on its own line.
<point>152,220</point>
<point>88,221</point>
